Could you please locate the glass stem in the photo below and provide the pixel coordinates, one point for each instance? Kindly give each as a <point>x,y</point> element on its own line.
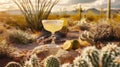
<point>53,40</point>
<point>79,34</point>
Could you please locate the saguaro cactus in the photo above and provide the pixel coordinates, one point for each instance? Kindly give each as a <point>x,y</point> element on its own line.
<point>80,8</point>
<point>109,9</point>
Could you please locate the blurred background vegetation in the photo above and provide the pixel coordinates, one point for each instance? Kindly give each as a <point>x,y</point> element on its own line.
<point>18,20</point>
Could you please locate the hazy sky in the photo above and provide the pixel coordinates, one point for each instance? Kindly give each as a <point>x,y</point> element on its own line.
<point>66,4</point>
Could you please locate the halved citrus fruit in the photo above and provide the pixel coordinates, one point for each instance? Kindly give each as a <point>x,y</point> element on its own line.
<point>67,45</point>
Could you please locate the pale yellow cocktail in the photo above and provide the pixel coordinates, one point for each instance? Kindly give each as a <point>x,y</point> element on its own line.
<point>52,26</point>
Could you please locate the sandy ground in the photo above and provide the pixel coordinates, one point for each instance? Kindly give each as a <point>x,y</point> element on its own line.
<point>58,41</point>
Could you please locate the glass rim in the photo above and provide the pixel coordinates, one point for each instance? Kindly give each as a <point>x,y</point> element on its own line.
<point>52,20</point>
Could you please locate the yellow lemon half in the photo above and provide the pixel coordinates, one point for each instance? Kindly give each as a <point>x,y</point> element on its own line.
<point>67,45</point>
<point>84,43</point>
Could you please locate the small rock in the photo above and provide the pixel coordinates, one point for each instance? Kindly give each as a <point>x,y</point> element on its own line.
<point>66,56</point>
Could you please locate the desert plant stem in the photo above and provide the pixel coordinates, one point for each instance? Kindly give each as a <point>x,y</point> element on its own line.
<point>53,40</point>
<point>35,11</point>
<point>109,9</point>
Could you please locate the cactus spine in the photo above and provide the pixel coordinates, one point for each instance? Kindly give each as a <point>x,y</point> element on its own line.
<point>116,62</point>
<point>34,61</point>
<point>80,62</point>
<point>51,61</point>
<point>13,64</point>
<point>108,54</point>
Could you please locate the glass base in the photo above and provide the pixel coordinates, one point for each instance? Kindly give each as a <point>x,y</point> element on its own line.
<point>52,45</point>
<point>53,49</point>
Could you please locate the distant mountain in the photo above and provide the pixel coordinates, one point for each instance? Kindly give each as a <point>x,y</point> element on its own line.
<point>93,10</point>
<point>115,11</point>
<point>66,12</point>
<point>17,12</point>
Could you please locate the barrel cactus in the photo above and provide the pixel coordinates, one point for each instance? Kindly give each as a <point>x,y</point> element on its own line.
<point>13,64</point>
<point>91,54</point>
<point>104,32</point>
<point>51,61</point>
<point>34,61</point>
<point>80,62</point>
<point>109,53</point>
<point>83,24</point>
<point>87,36</point>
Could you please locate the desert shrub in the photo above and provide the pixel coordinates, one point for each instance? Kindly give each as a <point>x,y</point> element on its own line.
<point>34,14</point>
<point>6,49</point>
<point>91,16</point>
<point>17,21</point>
<point>20,37</point>
<point>107,30</point>
<point>75,17</point>
<point>53,16</point>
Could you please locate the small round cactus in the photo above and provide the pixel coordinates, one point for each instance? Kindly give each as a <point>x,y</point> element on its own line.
<point>80,62</point>
<point>83,24</point>
<point>13,64</point>
<point>91,54</point>
<point>51,61</point>
<point>109,53</point>
<point>34,61</point>
<point>87,36</point>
